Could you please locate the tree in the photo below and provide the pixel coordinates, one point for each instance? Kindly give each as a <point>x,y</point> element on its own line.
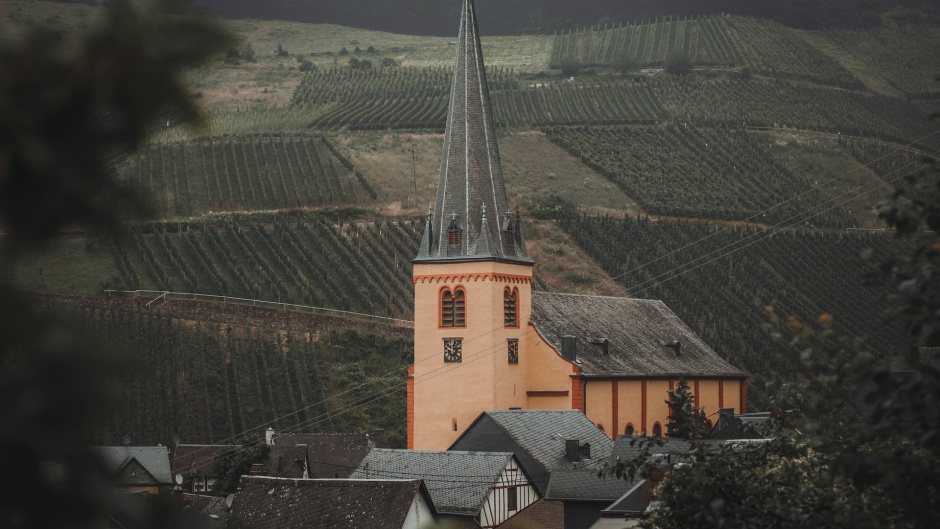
<point>306,65</point>
<point>235,461</point>
<point>249,53</point>
<point>281,52</point>
<point>69,105</point>
<point>685,421</point>
<point>678,63</point>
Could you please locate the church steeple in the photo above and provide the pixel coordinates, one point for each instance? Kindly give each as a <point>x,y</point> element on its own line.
<point>471,184</point>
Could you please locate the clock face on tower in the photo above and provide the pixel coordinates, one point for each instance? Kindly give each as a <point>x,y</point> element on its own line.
<point>453,349</point>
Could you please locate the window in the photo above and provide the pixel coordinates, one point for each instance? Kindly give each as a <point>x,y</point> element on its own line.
<point>453,308</point>
<point>453,349</point>
<point>453,232</point>
<point>510,241</point>
<point>629,429</point>
<point>513,351</point>
<point>512,498</point>
<point>657,430</point>
<point>511,307</point>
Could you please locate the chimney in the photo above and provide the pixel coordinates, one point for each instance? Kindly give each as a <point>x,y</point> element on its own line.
<point>269,436</point>
<point>569,347</point>
<point>572,450</point>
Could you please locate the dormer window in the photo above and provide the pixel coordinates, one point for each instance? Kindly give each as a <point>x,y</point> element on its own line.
<point>511,307</point>
<point>453,308</point>
<point>453,232</point>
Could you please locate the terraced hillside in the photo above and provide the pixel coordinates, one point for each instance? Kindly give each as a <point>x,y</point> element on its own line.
<point>246,173</point>
<point>719,281</point>
<point>766,47</point>
<point>209,381</point>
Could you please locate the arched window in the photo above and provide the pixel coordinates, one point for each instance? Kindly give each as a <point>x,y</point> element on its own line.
<point>657,430</point>
<point>629,431</point>
<point>453,308</point>
<point>511,307</point>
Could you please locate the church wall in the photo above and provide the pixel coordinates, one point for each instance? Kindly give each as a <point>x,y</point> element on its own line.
<point>548,375</point>
<point>707,397</point>
<point>630,395</point>
<point>449,396</point>
<point>656,408</point>
<point>599,405</point>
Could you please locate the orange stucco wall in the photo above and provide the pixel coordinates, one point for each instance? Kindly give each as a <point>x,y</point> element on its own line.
<point>449,396</point>
<point>445,398</point>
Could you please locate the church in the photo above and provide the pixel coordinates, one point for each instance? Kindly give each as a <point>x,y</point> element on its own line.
<point>485,340</point>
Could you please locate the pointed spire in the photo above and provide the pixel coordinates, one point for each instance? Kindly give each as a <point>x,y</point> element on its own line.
<point>471,182</point>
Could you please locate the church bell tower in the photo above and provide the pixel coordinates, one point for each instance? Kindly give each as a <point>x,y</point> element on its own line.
<point>472,274</point>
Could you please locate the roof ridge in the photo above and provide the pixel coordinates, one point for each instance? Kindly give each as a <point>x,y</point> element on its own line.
<point>568,294</point>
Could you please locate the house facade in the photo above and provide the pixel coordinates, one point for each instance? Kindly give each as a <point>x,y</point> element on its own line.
<point>484,340</point>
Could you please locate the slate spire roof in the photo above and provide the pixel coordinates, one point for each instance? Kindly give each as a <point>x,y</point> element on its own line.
<point>471,193</point>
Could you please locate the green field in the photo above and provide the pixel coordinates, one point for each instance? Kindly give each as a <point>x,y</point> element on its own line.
<point>719,281</point>
<point>246,173</point>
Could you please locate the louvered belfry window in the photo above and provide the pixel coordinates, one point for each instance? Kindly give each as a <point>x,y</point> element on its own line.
<point>511,307</point>
<point>453,308</point>
<point>453,237</point>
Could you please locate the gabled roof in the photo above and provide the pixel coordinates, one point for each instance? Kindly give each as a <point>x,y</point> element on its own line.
<point>459,482</point>
<point>636,500</point>
<point>644,337</point>
<point>153,459</point>
<point>542,434</point>
<point>332,455</point>
<point>278,503</point>
<point>585,485</point>
<point>471,190</point>
<point>628,448</point>
<point>744,426</point>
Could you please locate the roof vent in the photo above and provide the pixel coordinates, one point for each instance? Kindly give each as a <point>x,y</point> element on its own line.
<point>603,344</point>
<point>676,347</point>
<point>569,347</point>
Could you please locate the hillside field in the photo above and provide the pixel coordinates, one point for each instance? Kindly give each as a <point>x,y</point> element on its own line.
<point>750,181</point>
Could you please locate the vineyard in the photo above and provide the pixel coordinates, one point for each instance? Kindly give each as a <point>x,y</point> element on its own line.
<point>701,173</point>
<point>894,166</point>
<point>907,57</point>
<point>254,172</point>
<point>413,98</point>
<point>767,47</point>
<point>722,295</point>
<point>209,381</point>
<point>299,259</point>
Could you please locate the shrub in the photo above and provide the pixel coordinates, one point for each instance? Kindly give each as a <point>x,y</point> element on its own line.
<point>679,64</point>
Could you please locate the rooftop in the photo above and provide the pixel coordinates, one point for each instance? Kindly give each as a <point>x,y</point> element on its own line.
<point>642,337</point>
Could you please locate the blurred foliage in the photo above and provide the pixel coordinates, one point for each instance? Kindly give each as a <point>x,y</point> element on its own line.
<point>234,461</point>
<point>69,107</point>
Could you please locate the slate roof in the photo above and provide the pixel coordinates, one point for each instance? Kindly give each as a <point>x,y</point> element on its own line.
<point>279,503</point>
<point>471,189</point>
<point>331,455</point>
<point>929,356</point>
<point>638,332</point>
<point>739,427</point>
<point>635,500</point>
<point>154,459</point>
<point>585,485</point>
<point>459,482</point>
<point>194,460</point>
<point>542,434</point>
<point>628,448</point>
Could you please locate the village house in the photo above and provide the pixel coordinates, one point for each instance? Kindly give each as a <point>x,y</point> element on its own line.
<point>471,489</point>
<point>136,469</point>
<point>263,502</point>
